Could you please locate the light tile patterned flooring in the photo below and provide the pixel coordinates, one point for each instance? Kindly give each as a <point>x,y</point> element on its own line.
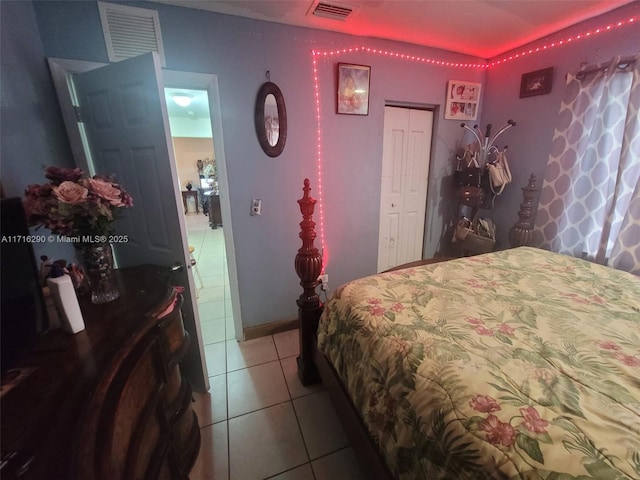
<point>257,421</point>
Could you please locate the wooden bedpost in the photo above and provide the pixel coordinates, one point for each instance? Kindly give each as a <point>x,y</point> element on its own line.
<point>308,267</point>
<point>522,232</point>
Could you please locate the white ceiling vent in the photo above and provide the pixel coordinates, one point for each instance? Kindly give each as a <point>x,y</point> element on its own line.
<point>333,11</point>
<point>130,31</point>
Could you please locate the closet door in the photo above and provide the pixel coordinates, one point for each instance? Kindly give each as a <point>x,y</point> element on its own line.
<point>405,173</point>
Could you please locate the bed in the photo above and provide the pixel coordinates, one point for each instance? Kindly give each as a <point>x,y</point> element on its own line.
<point>520,364</point>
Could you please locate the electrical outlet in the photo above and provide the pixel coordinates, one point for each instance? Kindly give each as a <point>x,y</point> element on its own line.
<point>324,281</point>
<point>256,206</point>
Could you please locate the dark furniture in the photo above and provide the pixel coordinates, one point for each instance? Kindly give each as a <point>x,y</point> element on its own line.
<point>314,365</point>
<point>471,200</point>
<point>214,212</point>
<point>521,234</point>
<point>22,307</point>
<point>109,402</point>
<point>185,196</point>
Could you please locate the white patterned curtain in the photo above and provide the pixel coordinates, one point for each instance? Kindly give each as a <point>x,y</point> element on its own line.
<point>590,199</point>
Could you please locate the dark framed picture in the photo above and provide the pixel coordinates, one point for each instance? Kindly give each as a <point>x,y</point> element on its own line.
<point>536,83</point>
<point>353,89</point>
<point>462,100</point>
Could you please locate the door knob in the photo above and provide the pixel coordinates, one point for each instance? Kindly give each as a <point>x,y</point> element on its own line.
<point>177,267</point>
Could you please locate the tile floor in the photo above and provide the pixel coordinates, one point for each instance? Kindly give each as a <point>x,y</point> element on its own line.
<point>257,421</point>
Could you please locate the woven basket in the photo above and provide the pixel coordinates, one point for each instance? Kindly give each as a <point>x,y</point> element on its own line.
<point>477,244</point>
<point>462,232</point>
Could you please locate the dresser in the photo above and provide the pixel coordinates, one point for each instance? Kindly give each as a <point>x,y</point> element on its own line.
<point>185,200</point>
<point>109,402</point>
<point>214,212</point>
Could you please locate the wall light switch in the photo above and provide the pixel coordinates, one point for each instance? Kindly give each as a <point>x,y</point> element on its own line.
<point>256,206</point>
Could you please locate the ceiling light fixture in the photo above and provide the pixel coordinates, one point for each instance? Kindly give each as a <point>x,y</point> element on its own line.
<point>182,99</point>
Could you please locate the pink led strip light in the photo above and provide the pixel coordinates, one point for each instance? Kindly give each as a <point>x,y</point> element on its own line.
<point>315,54</point>
<point>558,43</point>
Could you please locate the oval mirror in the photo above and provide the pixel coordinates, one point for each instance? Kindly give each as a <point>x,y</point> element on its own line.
<point>271,119</point>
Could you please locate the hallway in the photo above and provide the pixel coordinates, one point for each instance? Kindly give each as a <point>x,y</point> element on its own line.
<point>257,421</point>
<point>214,298</point>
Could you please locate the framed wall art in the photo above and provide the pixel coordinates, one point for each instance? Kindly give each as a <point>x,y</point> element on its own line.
<point>536,83</point>
<point>353,89</point>
<point>462,100</point>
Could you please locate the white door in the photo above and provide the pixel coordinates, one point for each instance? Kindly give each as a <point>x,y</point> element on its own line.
<point>405,174</point>
<point>125,119</point>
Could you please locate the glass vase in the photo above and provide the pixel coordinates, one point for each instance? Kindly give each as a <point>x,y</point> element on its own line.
<point>97,263</point>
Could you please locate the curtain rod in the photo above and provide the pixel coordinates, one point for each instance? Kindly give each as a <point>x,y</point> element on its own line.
<point>624,62</point>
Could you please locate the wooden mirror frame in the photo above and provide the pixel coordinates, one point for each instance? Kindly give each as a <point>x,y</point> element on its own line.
<point>270,88</point>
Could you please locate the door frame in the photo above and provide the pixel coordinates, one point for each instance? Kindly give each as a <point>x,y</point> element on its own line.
<point>434,111</point>
<point>63,69</point>
<point>209,82</point>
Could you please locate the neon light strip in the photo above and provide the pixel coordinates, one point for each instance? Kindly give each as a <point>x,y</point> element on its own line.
<point>431,61</point>
<point>315,54</point>
<point>531,51</point>
<point>401,56</point>
<point>316,88</point>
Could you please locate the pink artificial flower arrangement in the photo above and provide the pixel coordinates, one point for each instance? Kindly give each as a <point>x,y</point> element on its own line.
<point>73,204</point>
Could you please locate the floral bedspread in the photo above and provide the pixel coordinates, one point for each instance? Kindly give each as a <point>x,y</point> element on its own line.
<point>519,364</point>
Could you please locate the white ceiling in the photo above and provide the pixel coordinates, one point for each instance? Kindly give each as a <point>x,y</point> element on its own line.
<point>190,121</point>
<point>199,107</point>
<point>483,28</point>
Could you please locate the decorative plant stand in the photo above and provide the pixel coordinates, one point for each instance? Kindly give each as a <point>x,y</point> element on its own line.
<point>521,233</point>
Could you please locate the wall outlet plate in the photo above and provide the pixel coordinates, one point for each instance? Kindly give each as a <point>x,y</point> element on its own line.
<point>256,206</point>
<point>324,281</point>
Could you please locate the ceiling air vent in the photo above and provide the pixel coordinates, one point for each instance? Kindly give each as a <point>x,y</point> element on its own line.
<point>130,31</point>
<point>332,11</point>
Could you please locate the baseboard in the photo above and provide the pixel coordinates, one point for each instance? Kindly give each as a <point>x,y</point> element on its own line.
<point>269,329</point>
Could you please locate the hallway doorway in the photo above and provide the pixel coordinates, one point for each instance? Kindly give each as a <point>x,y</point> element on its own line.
<point>211,278</point>
<point>198,177</point>
<point>62,71</point>
<point>197,135</point>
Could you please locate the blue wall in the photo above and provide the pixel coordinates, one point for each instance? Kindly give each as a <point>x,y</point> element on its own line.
<point>240,51</point>
<point>530,142</point>
<point>32,131</point>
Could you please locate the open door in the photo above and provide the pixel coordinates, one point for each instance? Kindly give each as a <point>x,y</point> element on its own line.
<point>125,119</point>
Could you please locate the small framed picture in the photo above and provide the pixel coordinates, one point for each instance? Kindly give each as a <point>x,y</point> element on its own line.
<point>353,89</point>
<point>536,83</point>
<point>462,100</point>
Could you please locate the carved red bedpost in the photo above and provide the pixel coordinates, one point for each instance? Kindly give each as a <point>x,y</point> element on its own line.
<point>308,259</point>
<point>521,233</point>
<point>308,267</point>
